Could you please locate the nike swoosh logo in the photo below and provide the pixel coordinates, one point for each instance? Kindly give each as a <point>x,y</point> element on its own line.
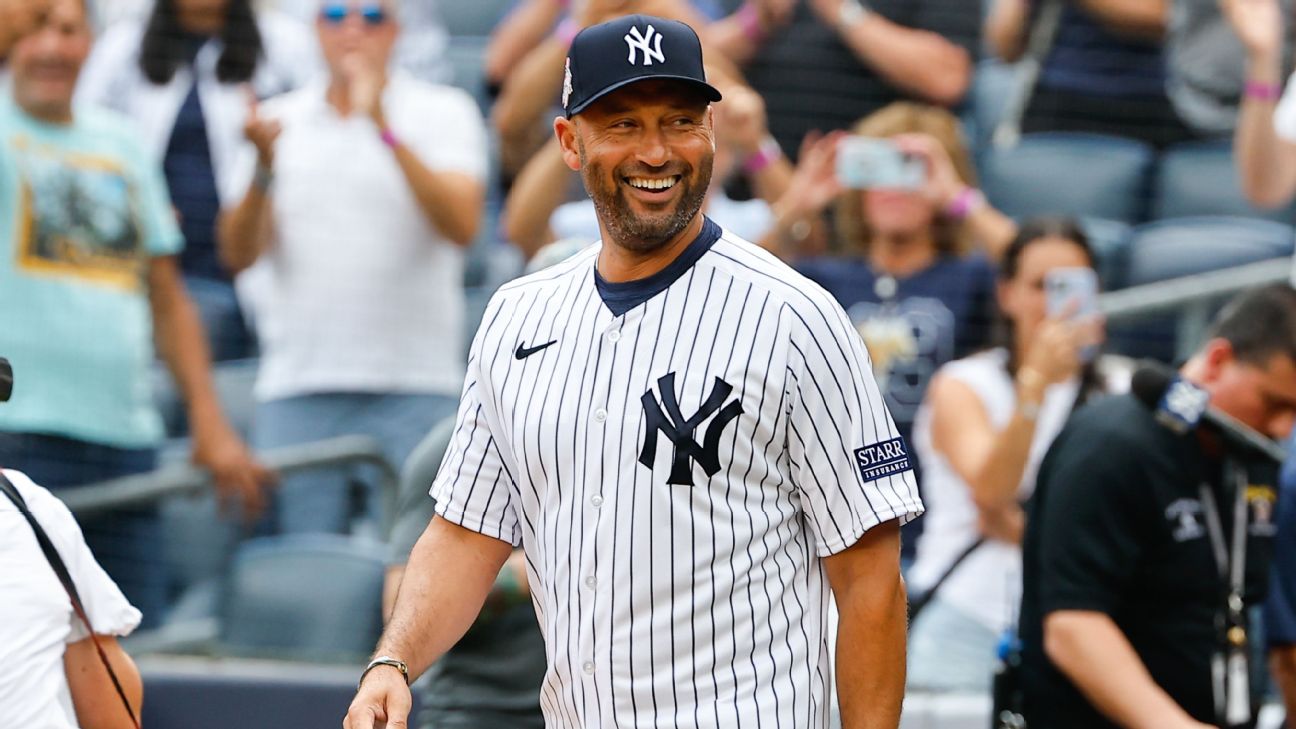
<point>523,351</point>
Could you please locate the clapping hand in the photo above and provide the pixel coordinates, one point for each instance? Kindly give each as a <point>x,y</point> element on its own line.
<point>262,133</point>
<point>1258,24</point>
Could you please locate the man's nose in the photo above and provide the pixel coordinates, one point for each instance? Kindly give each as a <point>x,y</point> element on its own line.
<point>1280,427</point>
<point>652,148</point>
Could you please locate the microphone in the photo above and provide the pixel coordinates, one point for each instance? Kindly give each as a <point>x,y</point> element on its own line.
<point>6,380</point>
<point>1181,406</point>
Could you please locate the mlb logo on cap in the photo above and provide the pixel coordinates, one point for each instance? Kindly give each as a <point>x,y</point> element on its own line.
<point>606,57</point>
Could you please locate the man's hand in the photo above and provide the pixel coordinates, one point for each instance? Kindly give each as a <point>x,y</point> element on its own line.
<point>365,81</point>
<point>17,19</point>
<point>383,700</point>
<point>262,133</point>
<point>1258,24</point>
<point>740,121</point>
<point>238,475</point>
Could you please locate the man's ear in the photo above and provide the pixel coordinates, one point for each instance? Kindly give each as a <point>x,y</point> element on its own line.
<point>1216,355</point>
<point>565,131</point>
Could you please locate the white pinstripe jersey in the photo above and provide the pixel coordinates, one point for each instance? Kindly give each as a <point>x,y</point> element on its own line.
<point>674,472</point>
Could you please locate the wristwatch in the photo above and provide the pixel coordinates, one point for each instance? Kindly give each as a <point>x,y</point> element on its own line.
<point>396,663</point>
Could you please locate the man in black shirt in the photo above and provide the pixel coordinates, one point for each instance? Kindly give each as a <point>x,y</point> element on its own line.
<point>837,61</point>
<point>1124,607</point>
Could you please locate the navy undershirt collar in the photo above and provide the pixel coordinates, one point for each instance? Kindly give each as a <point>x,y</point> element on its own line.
<point>622,297</point>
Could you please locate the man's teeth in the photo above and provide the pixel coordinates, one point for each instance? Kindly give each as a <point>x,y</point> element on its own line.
<point>643,183</point>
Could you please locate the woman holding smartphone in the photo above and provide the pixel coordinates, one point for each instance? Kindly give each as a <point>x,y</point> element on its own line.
<point>981,433</point>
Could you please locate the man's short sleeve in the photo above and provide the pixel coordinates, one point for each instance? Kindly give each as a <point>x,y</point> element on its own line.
<point>448,134</point>
<point>1092,493</point>
<point>849,463</point>
<point>1284,119</point>
<point>475,486</point>
<point>109,611</point>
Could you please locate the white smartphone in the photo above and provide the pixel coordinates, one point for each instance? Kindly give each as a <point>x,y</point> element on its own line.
<point>865,162</point>
<point>1073,289</point>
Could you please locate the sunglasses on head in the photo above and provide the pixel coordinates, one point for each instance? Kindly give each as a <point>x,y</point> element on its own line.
<point>337,13</point>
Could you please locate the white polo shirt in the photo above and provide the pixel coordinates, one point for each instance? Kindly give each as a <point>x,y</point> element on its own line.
<point>359,292</point>
<point>36,618</point>
<point>676,456</point>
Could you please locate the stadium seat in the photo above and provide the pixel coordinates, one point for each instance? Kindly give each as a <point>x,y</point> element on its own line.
<point>472,17</point>
<point>1170,249</point>
<point>1110,241</point>
<point>1200,178</point>
<point>314,597</point>
<point>467,58</point>
<point>991,85</point>
<point>1074,174</point>
<point>422,465</point>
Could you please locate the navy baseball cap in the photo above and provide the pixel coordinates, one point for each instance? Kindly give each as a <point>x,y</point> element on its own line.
<point>608,56</point>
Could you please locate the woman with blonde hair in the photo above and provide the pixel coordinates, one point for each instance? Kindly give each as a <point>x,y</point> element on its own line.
<point>912,266</point>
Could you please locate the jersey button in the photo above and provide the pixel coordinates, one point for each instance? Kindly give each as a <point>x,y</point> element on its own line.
<point>596,501</point>
<point>591,583</point>
<point>588,668</point>
<point>614,336</point>
<point>600,415</point>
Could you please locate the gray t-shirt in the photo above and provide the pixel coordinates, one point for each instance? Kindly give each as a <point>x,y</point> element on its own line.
<point>1206,65</point>
<point>491,678</point>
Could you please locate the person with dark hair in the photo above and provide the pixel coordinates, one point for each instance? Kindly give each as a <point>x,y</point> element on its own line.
<point>1146,543</point>
<point>186,77</point>
<point>982,429</point>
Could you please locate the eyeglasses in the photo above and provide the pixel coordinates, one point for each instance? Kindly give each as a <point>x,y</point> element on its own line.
<point>337,13</point>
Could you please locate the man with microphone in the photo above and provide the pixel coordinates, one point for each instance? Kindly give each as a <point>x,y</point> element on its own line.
<point>1150,532</point>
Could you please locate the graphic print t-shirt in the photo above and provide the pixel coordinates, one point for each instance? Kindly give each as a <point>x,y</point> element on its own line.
<point>82,212</point>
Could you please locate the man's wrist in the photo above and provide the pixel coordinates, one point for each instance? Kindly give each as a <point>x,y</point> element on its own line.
<point>384,662</point>
<point>764,155</point>
<point>851,13</point>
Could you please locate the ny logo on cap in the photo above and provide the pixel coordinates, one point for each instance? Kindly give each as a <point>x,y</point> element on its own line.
<point>638,41</point>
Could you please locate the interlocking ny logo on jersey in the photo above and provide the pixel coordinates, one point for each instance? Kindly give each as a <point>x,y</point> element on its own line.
<point>680,429</point>
<point>640,42</point>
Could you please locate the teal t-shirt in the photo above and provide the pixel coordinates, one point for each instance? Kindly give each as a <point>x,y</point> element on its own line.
<point>83,209</point>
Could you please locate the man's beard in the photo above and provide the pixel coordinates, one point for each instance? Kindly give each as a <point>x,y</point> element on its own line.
<point>647,233</point>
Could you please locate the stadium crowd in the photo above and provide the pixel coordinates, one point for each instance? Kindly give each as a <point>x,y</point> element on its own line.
<point>326,190</point>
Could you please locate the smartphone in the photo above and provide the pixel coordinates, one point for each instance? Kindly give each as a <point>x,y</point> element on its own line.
<point>1071,289</point>
<point>867,162</point>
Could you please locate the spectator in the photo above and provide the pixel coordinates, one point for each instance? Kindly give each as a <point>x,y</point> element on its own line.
<point>358,201</point>
<point>1206,65</point>
<point>1144,547</point>
<point>837,61</point>
<point>1265,140</point>
<point>981,432</point>
<point>44,649</point>
<point>906,272</point>
<point>88,272</point>
<point>421,49</point>
<point>535,216</point>
<point>1104,72</point>
<point>491,678</point>
<point>184,78</point>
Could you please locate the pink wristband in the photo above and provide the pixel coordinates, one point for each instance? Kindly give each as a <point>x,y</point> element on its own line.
<point>968,199</point>
<point>1261,91</point>
<point>768,152</point>
<point>566,31</point>
<point>388,138</point>
<point>748,18</point>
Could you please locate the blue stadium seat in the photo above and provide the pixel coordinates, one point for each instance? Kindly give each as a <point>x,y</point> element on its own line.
<point>1170,249</point>
<point>991,85</point>
<point>1200,178</point>
<point>1075,174</point>
<point>1110,240</point>
<point>467,58</point>
<point>314,597</point>
<point>472,17</point>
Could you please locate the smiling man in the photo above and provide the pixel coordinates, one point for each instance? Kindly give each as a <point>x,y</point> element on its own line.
<point>669,425</point>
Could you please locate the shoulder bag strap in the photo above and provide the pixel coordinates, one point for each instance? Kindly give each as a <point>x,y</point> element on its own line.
<point>65,578</point>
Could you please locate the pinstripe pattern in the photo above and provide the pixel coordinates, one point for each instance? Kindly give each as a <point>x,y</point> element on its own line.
<point>674,605</point>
